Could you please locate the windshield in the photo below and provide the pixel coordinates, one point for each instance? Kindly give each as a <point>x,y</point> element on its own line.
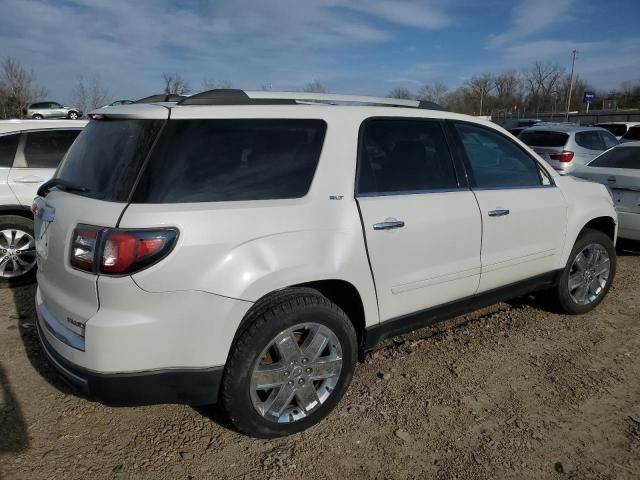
<point>107,156</point>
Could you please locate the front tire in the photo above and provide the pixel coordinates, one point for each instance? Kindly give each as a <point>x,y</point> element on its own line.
<point>17,251</point>
<point>73,115</point>
<point>588,274</point>
<point>37,116</point>
<point>290,364</point>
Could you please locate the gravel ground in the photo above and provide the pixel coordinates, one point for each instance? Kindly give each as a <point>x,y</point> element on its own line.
<point>511,391</point>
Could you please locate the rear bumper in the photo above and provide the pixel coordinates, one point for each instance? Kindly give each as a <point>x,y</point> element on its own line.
<point>197,386</point>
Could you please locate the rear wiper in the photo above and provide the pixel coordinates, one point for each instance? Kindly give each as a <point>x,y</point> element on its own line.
<point>61,185</point>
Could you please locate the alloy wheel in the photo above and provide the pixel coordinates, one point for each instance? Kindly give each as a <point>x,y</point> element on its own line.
<point>17,253</point>
<point>589,274</point>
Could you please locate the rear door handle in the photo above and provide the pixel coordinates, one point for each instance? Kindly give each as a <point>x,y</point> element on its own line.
<point>28,180</point>
<point>499,212</point>
<point>388,224</point>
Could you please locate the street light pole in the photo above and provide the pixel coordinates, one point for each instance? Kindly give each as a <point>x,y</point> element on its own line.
<point>573,65</point>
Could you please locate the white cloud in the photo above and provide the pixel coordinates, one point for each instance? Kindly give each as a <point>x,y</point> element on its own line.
<point>529,17</point>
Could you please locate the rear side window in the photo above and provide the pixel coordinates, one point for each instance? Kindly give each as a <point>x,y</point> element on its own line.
<point>633,134</point>
<point>402,156</point>
<point>231,160</point>
<point>544,139</point>
<point>621,157</point>
<point>617,129</point>
<point>495,161</point>
<point>107,157</point>
<point>46,149</point>
<point>590,140</point>
<point>609,140</point>
<point>8,146</point>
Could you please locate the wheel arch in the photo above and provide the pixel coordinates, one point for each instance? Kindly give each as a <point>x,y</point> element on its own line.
<point>605,224</point>
<point>17,210</point>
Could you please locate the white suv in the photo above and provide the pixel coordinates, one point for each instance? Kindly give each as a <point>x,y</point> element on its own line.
<point>29,154</point>
<point>246,247</point>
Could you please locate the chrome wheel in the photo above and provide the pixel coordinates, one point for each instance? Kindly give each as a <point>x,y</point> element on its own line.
<point>73,116</point>
<point>17,253</point>
<point>589,274</point>
<point>296,373</point>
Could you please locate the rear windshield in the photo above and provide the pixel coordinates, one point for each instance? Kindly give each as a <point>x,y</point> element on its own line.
<point>633,134</point>
<point>544,139</point>
<point>230,160</point>
<point>618,129</point>
<point>107,156</point>
<point>620,157</point>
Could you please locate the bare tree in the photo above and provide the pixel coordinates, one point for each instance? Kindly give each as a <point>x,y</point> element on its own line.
<point>477,91</point>
<point>174,84</point>
<point>265,87</point>
<point>436,92</point>
<point>314,87</point>
<point>90,95</point>
<point>18,87</point>
<point>401,93</point>
<point>210,84</point>
<point>541,80</point>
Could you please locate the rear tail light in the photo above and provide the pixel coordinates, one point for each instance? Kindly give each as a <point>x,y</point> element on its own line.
<point>564,156</point>
<point>113,251</point>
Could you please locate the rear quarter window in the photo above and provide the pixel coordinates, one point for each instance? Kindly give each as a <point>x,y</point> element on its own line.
<point>544,139</point>
<point>231,160</point>
<point>590,140</point>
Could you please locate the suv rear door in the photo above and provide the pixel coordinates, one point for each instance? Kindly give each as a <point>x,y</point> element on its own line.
<point>523,212</point>
<point>422,224</point>
<point>105,160</point>
<point>38,156</point>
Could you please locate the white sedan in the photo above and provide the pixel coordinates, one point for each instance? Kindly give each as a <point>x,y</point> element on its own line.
<point>619,169</point>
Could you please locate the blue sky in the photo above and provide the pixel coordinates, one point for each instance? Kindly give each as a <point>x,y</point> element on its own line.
<point>351,46</point>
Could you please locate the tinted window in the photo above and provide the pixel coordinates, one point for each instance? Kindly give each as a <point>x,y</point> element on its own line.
<point>46,149</point>
<point>633,134</point>
<point>496,161</point>
<point>8,146</point>
<point>230,160</point>
<point>617,129</point>
<point>107,156</point>
<point>608,140</point>
<point>403,156</point>
<point>544,139</point>
<point>590,139</point>
<point>55,105</point>
<point>621,157</point>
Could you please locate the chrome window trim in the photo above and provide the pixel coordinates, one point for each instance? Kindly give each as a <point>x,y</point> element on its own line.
<point>412,192</point>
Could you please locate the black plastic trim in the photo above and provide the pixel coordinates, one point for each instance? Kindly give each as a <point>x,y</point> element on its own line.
<point>231,96</point>
<point>163,97</point>
<point>197,386</point>
<point>429,316</point>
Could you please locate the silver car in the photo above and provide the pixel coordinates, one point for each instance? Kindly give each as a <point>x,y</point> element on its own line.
<point>42,110</point>
<point>565,146</point>
<point>619,170</point>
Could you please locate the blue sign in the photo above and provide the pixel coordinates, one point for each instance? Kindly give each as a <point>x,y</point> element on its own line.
<point>588,97</point>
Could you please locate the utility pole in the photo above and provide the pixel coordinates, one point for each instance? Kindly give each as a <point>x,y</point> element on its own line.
<point>573,65</point>
<point>481,98</point>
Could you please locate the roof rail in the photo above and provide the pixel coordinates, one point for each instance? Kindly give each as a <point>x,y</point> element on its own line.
<point>163,97</point>
<point>241,97</point>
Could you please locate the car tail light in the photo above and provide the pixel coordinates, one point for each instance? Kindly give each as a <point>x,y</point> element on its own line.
<point>83,247</point>
<point>564,156</point>
<point>122,251</point>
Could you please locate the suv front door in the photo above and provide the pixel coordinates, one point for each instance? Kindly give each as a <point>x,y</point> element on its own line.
<point>422,225</point>
<point>523,212</point>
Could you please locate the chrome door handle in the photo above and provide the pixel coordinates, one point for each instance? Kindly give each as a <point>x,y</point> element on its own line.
<point>611,179</point>
<point>388,225</point>
<point>28,180</point>
<point>499,212</point>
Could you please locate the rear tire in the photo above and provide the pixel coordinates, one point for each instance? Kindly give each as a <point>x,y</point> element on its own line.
<point>588,274</point>
<point>73,115</point>
<point>292,361</point>
<point>17,251</point>
<point>37,116</point>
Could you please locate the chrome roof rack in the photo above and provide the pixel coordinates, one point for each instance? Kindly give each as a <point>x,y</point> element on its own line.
<point>241,97</point>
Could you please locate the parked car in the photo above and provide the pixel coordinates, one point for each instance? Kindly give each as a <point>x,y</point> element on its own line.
<point>565,146</point>
<point>619,169</point>
<point>632,135</point>
<point>40,110</point>
<point>246,247</point>
<point>29,154</point>
<point>516,126</point>
<point>618,129</point>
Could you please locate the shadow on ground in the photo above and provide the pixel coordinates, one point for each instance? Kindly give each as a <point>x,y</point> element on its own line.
<point>13,428</point>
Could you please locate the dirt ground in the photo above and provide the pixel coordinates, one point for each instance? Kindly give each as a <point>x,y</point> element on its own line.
<point>512,391</point>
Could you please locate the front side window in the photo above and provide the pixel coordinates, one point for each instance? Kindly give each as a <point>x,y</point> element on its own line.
<point>8,146</point>
<point>232,160</point>
<point>591,140</point>
<point>403,156</point>
<point>55,105</point>
<point>621,157</point>
<point>46,149</point>
<point>495,161</point>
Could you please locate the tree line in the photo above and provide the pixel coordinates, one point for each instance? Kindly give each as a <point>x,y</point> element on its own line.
<point>543,88</point>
